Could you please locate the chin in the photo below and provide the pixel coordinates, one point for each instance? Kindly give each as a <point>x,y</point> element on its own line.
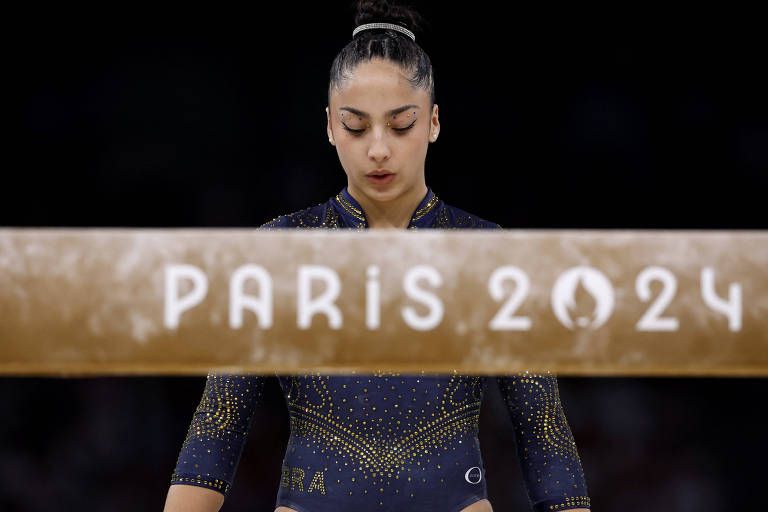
<point>383,194</point>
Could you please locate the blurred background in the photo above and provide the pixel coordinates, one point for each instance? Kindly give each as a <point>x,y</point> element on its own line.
<point>161,116</point>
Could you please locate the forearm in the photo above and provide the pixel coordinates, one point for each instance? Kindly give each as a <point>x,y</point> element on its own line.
<point>192,498</point>
<point>546,448</point>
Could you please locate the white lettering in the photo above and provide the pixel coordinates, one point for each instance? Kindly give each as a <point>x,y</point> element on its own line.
<point>504,319</point>
<point>175,305</point>
<point>308,307</point>
<point>433,303</point>
<point>261,305</point>
<point>372,298</point>
<point>651,321</point>
<point>730,308</point>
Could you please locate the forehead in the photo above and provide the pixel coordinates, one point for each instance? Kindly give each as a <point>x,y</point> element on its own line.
<point>377,84</point>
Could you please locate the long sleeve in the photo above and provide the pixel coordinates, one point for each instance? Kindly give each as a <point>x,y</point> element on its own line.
<point>549,460</point>
<point>216,437</point>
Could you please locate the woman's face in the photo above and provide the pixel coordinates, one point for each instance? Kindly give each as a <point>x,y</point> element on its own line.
<point>380,123</point>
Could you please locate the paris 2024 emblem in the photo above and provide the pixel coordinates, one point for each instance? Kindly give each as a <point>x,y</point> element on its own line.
<point>595,284</point>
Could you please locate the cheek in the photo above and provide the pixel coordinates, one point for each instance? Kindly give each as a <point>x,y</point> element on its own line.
<point>418,145</point>
<point>348,157</point>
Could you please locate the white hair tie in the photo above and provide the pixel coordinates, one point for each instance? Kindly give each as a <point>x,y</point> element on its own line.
<point>390,26</point>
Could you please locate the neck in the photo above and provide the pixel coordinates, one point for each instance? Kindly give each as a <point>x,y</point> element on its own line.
<point>396,213</point>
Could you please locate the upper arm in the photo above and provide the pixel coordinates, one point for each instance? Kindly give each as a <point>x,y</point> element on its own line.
<point>190,498</point>
<point>217,433</point>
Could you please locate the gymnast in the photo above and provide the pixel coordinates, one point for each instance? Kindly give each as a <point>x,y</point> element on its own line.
<point>384,441</point>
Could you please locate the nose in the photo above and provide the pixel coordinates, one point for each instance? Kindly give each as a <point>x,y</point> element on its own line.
<point>379,149</point>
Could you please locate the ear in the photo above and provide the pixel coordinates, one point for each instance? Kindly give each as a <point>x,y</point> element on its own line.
<point>328,127</point>
<point>434,125</point>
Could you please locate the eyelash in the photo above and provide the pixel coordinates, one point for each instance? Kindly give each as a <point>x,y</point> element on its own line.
<point>358,132</point>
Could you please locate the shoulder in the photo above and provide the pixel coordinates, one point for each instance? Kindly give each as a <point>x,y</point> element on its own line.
<point>452,217</point>
<point>322,215</point>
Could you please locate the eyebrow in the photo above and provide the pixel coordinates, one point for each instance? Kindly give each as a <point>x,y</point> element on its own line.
<point>388,113</point>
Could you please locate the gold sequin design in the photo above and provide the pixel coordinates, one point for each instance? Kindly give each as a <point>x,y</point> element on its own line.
<point>550,428</point>
<point>578,501</point>
<point>534,399</point>
<point>211,483</point>
<point>329,218</point>
<point>321,216</point>
<point>383,450</point>
<point>221,420</point>
<point>443,220</point>
<point>360,215</point>
<point>421,212</point>
<point>547,421</point>
<point>355,212</point>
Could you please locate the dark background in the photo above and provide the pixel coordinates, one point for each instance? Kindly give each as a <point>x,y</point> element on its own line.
<point>630,117</point>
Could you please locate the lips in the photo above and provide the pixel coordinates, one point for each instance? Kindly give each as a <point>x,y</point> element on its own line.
<point>380,177</point>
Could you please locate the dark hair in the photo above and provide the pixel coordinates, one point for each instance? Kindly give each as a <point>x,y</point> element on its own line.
<point>385,43</point>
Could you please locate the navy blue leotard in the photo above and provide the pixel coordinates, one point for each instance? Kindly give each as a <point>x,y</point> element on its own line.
<point>385,441</point>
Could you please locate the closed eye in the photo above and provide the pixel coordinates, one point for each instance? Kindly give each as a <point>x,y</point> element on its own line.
<point>358,132</point>
<point>406,128</point>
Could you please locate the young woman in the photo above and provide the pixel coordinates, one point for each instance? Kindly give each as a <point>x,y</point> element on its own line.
<point>384,441</point>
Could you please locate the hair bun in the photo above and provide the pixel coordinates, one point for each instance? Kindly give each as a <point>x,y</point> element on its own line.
<point>397,45</point>
<point>368,11</point>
